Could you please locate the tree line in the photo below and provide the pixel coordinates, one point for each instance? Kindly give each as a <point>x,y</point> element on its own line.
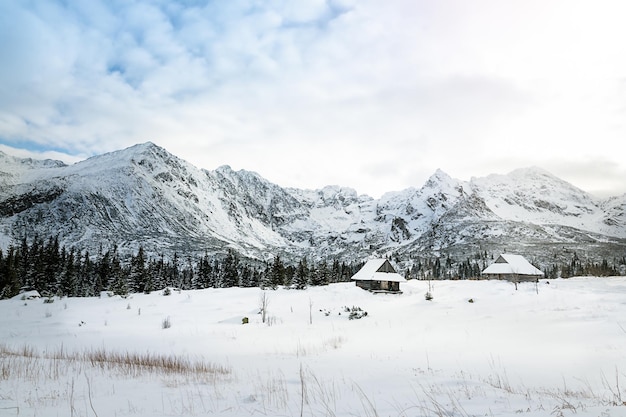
<point>52,269</point>
<point>471,267</point>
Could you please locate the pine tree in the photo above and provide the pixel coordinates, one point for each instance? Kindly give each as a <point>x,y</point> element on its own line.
<point>138,273</point>
<point>277,273</point>
<point>51,265</point>
<point>188,275</point>
<point>9,281</point>
<point>102,274</point>
<point>334,271</point>
<point>157,272</point>
<point>86,276</point>
<point>320,275</point>
<point>118,281</point>
<point>230,273</point>
<point>206,278</point>
<point>68,285</point>
<point>301,279</point>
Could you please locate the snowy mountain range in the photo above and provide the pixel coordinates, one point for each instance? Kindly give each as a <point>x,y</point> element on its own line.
<point>146,196</point>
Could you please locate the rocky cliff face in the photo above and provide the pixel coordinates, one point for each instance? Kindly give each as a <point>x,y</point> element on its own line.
<point>145,196</point>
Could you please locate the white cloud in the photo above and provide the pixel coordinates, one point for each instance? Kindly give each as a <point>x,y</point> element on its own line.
<point>373,95</point>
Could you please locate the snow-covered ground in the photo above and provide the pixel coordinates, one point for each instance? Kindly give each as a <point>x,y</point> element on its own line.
<point>551,349</point>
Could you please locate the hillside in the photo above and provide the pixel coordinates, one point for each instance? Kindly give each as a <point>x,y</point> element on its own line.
<point>145,196</point>
<point>552,349</point>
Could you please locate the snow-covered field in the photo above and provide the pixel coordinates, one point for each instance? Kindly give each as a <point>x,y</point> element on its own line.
<point>551,349</point>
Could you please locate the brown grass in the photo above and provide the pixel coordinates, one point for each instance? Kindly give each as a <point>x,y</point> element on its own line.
<point>27,362</point>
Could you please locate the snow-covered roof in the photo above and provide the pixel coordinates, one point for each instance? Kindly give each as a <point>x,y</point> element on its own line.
<point>378,270</point>
<point>27,295</point>
<point>512,264</point>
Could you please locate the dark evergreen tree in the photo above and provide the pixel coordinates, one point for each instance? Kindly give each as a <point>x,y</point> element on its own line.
<point>320,276</point>
<point>230,273</point>
<point>173,273</point>
<point>436,269</point>
<point>247,277</point>
<point>276,273</point>
<point>335,272</point>
<point>157,272</point>
<point>206,278</point>
<point>188,275</point>
<point>86,276</point>
<point>103,271</point>
<point>139,273</point>
<point>301,279</point>
<point>68,285</point>
<point>9,281</point>
<point>51,265</point>
<point>118,277</point>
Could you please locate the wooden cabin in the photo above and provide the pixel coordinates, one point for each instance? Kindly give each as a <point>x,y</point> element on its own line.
<point>514,268</point>
<point>378,275</point>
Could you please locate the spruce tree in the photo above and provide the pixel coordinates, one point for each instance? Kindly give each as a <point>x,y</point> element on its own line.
<point>230,274</point>
<point>118,277</point>
<point>9,281</point>
<point>68,285</point>
<point>277,273</point>
<point>103,271</point>
<point>138,273</point>
<point>320,276</point>
<point>301,279</point>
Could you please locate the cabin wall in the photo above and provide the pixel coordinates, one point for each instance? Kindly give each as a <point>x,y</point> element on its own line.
<point>513,277</point>
<point>379,285</point>
<point>366,285</point>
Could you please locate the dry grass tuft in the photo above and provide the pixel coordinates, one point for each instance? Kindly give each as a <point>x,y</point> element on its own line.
<point>27,362</point>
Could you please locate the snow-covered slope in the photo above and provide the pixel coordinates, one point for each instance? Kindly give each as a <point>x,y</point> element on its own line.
<point>143,195</point>
<point>541,351</point>
<point>536,196</point>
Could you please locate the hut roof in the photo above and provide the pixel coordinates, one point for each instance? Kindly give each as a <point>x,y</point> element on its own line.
<point>512,264</point>
<point>378,270</point>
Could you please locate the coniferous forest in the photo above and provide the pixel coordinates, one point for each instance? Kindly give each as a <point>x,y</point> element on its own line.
<point>51,269</point>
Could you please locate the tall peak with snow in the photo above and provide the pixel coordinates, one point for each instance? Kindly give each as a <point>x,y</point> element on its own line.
<point>143,195</point>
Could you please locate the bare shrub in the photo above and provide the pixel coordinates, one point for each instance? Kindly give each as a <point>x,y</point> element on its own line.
<point>355,313</point>
<point>264,301</point>
<point>166,323</point>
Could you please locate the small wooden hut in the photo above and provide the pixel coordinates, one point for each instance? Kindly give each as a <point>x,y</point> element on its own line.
<point>378,275</point>
<point>514,268</point>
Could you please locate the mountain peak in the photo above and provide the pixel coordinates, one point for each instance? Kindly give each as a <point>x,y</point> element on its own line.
<point>143,195</point>
<point>532,171</point>
<point>548,180</point>
<point>144,146</point>
<point>442,181</point>
<point>30,162</point>
<point>439,173</point>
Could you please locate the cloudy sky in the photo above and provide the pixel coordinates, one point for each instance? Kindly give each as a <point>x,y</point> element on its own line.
<point>374,95</point>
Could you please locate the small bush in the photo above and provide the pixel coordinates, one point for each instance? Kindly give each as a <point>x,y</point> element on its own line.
<point>166,323</point>
<point>356,313</point>
<point>167,292</point>
<point>428,296</point>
